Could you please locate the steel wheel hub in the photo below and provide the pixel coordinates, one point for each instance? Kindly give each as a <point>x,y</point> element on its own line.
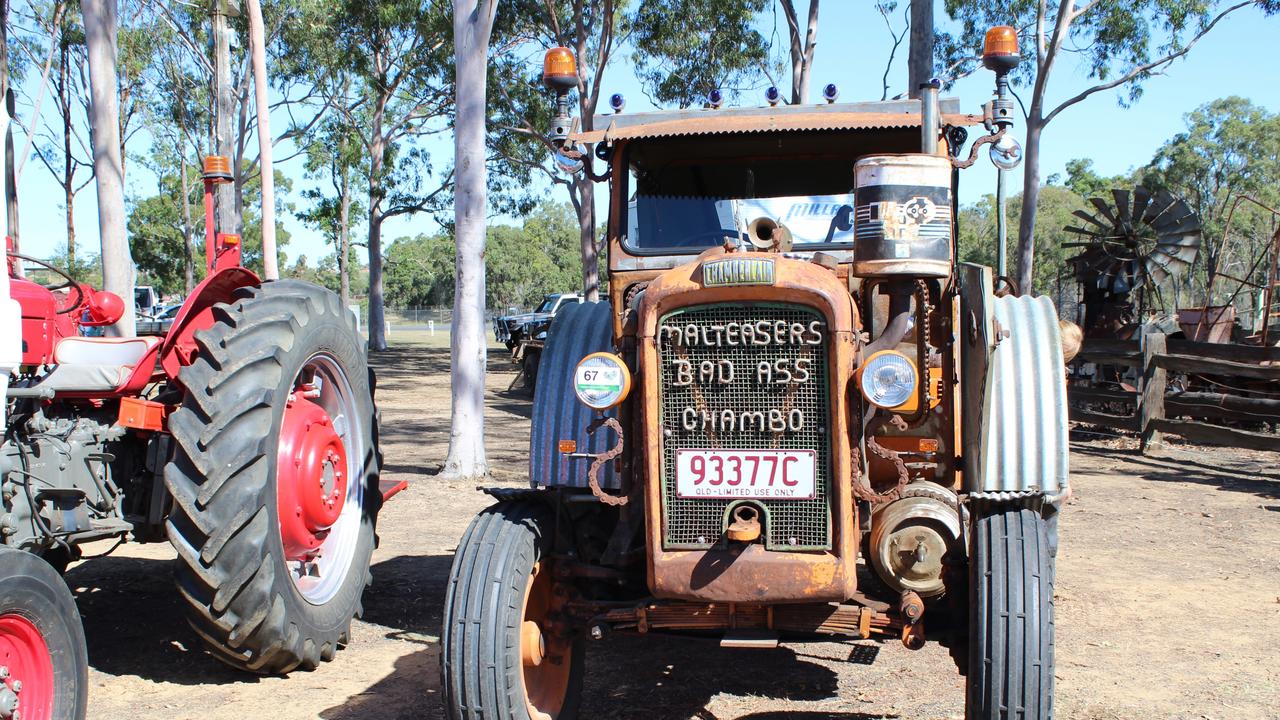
<point>26,671</point>
<point>311,477</point>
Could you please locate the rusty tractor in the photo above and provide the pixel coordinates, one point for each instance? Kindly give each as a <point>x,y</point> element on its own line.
<point>795,416</point>
<point>246,436</point>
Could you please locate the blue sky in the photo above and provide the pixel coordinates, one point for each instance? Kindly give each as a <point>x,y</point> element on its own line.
<point>1238,58</point>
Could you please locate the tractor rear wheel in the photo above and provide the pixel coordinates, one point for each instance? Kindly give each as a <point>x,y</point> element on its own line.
<point>274,478</point>
<point>1010,616</point>
<point>44,671</point>
<point>506,654</point>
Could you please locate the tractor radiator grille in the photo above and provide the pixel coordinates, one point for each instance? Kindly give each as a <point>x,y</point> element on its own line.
<point>689,338</point>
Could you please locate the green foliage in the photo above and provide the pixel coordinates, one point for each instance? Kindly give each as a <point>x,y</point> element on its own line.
<point>1230,151</point>
<point>157,242</point>
<point>978,236</point>
<point>687,48</point>
<point>521,264</point>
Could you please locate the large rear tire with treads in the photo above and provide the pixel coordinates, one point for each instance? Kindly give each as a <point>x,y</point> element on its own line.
<point>274,478</point>
<point>1011,616</point>
<point>44,671</point>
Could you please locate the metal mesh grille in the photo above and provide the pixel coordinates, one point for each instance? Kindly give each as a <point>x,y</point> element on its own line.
<point>700,523</point>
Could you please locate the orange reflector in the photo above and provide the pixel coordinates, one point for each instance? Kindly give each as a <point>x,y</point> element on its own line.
<point>559,69</point>
<point>568,446</point>
<point>1001,40</point>
<point>142,414</point>
<point>229,239</point>
<point>928,445</point>
<point>217,168</point>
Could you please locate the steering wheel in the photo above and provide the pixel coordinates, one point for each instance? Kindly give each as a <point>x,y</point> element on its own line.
<point>68,283</point>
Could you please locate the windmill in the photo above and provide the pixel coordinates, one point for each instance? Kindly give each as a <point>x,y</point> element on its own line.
<point>1134,241</point>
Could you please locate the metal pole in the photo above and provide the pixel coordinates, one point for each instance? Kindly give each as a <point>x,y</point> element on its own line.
<point>257,38</point>
<point>224,112</point>
<point>1001,230</point>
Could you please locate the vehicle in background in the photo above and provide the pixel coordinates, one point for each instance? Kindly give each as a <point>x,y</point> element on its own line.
<point>146,300</point>
<point>524,334</point>
<point>160,323</point>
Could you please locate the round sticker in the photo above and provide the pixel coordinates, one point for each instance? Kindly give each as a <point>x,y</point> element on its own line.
<point>601,381</point>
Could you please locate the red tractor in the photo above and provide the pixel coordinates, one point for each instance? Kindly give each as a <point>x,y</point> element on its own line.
<point>246,436</point>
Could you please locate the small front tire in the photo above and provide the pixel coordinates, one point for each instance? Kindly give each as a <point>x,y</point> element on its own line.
<point>42,648</point>
<point>1010,616</point>
<point>506,653</point>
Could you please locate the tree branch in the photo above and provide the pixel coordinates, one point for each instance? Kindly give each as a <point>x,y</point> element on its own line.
<point>1147,67</point>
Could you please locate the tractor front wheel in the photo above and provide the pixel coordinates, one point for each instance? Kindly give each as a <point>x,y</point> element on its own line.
<point>507,651</point>
<point>44,671</point>
<point>274,478</point>
<point>1010,616</point>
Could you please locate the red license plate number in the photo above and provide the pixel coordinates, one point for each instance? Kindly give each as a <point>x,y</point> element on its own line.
<point>764,474</point>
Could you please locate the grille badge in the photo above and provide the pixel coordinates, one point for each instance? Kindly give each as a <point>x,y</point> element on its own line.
<point>731,272</point>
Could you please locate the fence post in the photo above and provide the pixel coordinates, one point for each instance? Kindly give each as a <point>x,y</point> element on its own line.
<point>1151,400</point>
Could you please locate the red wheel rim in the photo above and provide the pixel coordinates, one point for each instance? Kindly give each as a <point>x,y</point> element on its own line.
<point>311,477</point>
<point>24,656</point>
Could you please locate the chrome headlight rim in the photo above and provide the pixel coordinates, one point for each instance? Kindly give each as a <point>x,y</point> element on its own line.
<point>908,379</point>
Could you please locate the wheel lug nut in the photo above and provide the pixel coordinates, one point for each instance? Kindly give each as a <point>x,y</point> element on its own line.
<point>4,671</point>
<point>17,686</point>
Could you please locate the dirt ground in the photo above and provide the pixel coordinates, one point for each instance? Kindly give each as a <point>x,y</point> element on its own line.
<point>1168,603</point>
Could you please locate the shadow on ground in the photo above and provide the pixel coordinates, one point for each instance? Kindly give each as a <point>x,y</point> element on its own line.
<point>1178,467</point>
<point>134,624</point>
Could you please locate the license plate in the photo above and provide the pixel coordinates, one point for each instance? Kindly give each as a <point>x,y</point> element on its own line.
<point>766,474</point>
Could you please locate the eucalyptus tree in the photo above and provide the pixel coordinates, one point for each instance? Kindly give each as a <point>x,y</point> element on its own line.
<point>100,20</point>
<point>1121,45</point>
<point>802,43</point>
<point>333,156</point>
<point>386,68</point>
<point>472,28</point>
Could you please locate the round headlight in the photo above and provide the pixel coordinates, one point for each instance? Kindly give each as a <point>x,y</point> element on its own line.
<point>601,381</point>
<point>888,379</point>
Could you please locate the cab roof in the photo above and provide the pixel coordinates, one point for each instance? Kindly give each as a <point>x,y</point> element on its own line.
<point>707,121</point>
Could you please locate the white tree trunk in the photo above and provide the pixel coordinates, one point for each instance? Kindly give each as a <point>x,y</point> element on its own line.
<point>472,24</point>
<point>104,111</point>
<point>257,38</point>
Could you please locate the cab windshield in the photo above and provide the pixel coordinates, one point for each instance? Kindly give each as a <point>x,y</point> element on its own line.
<point>688,194</point>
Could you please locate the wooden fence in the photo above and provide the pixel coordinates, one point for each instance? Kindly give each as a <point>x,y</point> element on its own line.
<point>1209,390</point>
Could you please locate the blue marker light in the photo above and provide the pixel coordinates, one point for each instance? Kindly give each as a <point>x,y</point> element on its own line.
<point>772,96</point>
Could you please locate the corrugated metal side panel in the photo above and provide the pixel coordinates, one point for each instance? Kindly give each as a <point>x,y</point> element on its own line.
<point>577,331</point>
<point>1024,438</point>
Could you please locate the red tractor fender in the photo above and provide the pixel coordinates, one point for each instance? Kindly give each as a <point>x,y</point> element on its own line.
<point>179,346</point>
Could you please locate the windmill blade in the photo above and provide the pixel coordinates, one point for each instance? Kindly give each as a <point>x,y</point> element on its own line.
<point>1122,207</point>
<point>1103,208</point>
<point>1081,231</point>
<point>1162,204</point>
<point>1091,219</point>
<point>1141,198</point>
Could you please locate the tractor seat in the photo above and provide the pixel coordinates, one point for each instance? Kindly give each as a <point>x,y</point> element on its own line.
<point>94,365</point>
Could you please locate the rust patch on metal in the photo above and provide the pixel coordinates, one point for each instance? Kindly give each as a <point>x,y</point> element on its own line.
<point>779,122</point>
